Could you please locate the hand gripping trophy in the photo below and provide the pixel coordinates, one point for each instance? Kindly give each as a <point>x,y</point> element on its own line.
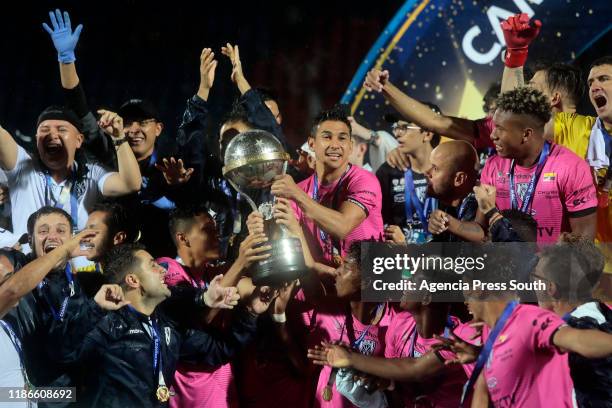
<point>252,160</point>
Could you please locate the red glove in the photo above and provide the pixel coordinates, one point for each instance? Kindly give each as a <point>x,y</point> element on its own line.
<point>519,34</point>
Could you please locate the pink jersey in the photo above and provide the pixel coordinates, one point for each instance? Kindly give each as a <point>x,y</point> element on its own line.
<point>199,385</point>
<point>525,369</point>
<point>359,187</point>
<point>329,322</point>
<point>442,391</point>
<point>565,188</point>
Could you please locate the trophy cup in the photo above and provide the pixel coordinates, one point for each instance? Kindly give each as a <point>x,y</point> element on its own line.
<point>252,160</point>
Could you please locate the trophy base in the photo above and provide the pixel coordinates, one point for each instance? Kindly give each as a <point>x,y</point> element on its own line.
<point>285,264</point>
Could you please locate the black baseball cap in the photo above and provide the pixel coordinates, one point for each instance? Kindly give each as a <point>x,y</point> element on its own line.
<point>138,109</point>
<point>60,113</point>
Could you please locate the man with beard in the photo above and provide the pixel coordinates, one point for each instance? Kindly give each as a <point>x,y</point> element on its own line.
<point>134,351</point>
<point>450,179</point>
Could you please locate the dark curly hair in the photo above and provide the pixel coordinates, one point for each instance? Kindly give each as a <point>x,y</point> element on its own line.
<point>525,101</point>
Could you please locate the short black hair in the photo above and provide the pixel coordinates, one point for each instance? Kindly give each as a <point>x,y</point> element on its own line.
<point>525,101</point>
<point>116,219</point>
<point>182,218</point>
<point>120,260</point>
<point>46,210</point>
<point>563,77</point>
<point>524,224</point>
<point>338,113</point>
<point>575,265</point>
<point>605,60</point>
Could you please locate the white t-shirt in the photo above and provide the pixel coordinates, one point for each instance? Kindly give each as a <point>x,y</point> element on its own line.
<point>28,191</point>
<point>10,369</point>
<point>378,154</point>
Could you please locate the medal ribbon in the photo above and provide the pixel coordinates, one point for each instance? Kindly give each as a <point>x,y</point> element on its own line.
<point>74,202</point>
<point>64,305</point>
<point>487,349</point>
<point>527,198</point>
<point>410,199</point>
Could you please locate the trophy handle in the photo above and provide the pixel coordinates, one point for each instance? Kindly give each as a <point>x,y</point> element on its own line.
<point>249,199</point>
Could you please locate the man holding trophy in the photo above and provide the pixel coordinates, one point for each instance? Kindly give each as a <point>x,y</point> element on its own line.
<point>340,203</point>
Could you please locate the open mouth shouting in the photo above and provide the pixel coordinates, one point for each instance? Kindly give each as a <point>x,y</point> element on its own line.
<point>50,245</point>
<point>601,102</point>
<point>54,147</point>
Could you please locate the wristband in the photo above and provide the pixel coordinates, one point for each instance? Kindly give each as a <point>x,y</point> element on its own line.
<point>279,317</point>
<point>515,57</point>
<point>491,212</point>
<point>373,137</point>
<point>119,142</point>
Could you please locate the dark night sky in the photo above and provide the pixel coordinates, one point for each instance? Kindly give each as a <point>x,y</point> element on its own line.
<point>307,52</point>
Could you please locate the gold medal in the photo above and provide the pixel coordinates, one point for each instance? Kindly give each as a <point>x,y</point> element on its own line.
<point>162,393</point>
<point>327,393</point>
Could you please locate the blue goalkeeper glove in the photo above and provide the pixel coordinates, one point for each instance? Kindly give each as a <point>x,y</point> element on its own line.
<point>64,39</point>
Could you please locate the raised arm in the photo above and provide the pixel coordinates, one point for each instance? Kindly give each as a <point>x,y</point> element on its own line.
<point>8,150</point>
<point>233,53</point>
<point>26,279</point>
<point>519,32</point>
<point>128,179</point>
<point>65,42</point>
<point>418,113</point>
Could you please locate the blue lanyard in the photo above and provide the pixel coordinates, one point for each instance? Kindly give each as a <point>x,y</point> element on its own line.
<point>157,360</point>
<point>487,349</point>
<point>315,196</point>
<point>62,312</point>
<point>74,202</point>
<point>527,198</point>
<point>463,206</point>
<point>358,342</point>
<point>410,199</point>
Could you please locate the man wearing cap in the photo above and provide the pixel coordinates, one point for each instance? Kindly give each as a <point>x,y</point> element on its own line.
<point>380,142</point>
<point>57,173</point>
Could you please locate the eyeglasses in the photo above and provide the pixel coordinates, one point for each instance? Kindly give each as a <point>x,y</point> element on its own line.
<point>141,123</point>
<point>397,127</point>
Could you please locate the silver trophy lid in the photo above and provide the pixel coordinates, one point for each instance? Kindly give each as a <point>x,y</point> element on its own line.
<point>253,158</point>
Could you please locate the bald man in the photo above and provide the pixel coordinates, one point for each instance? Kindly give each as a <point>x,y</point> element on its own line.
<point>451,179</point>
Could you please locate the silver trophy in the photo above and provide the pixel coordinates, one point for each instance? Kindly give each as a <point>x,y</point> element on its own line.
<point>252,160</point>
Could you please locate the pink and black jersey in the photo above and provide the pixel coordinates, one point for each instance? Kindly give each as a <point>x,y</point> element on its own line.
<point>357,186</point>
<point>564,189</point>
